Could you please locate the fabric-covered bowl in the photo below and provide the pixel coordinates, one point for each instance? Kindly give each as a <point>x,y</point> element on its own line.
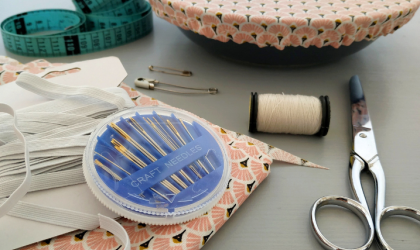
<point>287,27</point>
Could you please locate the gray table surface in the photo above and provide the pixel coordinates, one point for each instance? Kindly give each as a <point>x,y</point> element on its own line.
<point>276,215</point>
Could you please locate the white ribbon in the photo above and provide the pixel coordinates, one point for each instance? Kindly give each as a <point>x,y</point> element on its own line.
<point>51,90</point>
<point>26,184</point>
<point>56,145</point>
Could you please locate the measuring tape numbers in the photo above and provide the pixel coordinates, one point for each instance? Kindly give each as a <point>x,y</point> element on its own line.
<point>96,25</point>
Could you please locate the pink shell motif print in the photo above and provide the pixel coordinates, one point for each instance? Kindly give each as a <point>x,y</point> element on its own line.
<point>250,162</point>
<point>281,23</point>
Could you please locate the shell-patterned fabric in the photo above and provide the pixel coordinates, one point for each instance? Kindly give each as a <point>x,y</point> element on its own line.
<point>250,162</point>
<point>281,23</point>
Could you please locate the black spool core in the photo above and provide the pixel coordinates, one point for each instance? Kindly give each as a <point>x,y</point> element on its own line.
<point>325,121</point>
<point>253,112</point>
<point>326,116</point>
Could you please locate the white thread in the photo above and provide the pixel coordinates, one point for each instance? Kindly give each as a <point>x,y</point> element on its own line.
<point>291,114</point>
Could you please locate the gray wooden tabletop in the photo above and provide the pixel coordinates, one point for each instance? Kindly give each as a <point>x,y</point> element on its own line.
<point>276,215</point>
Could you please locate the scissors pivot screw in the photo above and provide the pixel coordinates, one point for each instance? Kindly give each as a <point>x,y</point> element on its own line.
<point>363,135</point>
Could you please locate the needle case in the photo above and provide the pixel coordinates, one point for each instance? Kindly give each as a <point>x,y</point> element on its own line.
<point>156,165</point>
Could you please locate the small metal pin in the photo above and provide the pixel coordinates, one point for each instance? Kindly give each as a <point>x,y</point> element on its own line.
<point>173,145</point>
<point>127,153</point>
<point>133,142</point>
<point>363,135</point>
<point>147,137</point>
<point>109,171</point>
<point>136,160</point>
<point>170,71</point>
<point>122,169</point>
<point>172,127</point>
<point>147,83</point>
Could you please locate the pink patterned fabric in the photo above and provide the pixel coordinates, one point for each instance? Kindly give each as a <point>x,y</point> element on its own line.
<point>250,160</point>
<point>282,23</point>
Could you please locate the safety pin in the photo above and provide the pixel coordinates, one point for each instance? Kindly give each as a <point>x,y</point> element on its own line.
<point>147,83</point>
<point>178,72</point>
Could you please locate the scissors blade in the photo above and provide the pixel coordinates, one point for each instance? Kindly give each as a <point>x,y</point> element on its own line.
<point>363,138</point>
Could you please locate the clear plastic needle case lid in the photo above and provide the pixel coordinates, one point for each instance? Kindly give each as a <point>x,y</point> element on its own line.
<point>156,165</point>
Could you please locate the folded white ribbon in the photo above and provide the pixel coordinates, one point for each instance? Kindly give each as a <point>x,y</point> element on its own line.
<point>57,142</point>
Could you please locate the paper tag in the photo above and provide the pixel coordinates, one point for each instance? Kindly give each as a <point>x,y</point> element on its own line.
<point>102,73</point>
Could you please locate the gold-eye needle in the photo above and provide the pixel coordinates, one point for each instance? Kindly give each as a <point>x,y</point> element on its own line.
<point>160,132</point>
<point>146,136</point>
<point>190,166</point>
<point>122,169</point>
<point>173,147</point>
<point>209,162</point>
<point>186,129</point>
<point>170,186</point>
<point>109,171</point>
<point>175,143</point>
<point>154,190</point>
<point>192,138</point>
<point>139,162</point>
<point>124,151</point>
<point>133,142</point>
<point>161,125</point>
<point>172,127</point>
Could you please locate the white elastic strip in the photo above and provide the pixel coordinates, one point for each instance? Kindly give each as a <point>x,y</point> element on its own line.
<point>13,163</point>
<point>54,118</point>
<point>115,228</point>
<point>25,185</point>
<point>49,153</point>
<point>67,218</point>
<point>45,181</point>
<point>62,217</point>
<point>47,165</point>
<point>66,105</point>
<point>72,130</point>
<point>36,127</point>
<point>58,167</point>
<point>35,163</point>
<point>51,90</point>
<point>45,144</point>
<point>56,216</point>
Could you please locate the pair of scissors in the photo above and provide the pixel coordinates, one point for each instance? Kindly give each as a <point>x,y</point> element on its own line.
<point>364,156</point>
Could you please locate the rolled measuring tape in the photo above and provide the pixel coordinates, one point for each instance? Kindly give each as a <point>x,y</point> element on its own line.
<point>95,26</point>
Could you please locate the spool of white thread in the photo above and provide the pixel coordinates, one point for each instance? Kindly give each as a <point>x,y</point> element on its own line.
<point>290,114</point>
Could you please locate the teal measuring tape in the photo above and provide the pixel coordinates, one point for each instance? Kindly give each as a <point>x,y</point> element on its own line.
<point>95,26</point>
